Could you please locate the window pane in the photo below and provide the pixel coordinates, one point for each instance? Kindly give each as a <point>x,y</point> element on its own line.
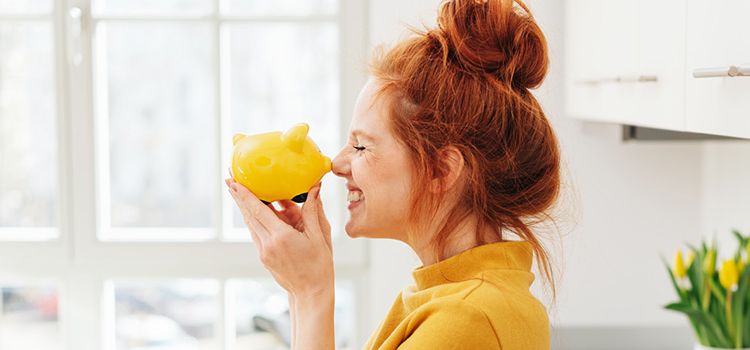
<point>25,6</point>
<point>261,312</point>
<point>280,8</point>
<point>161,123</point>
<point>29,318</point>
<point>167,314</point>
<point>150,7</point>
<point>28,139</point>
<point>281,74</point>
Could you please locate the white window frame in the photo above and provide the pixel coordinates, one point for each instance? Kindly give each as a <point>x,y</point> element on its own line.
<point>82,263</point>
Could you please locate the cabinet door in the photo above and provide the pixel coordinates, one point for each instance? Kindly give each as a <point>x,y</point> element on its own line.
<point>718,67</point>
<point>600,45</point>
<point>625,61</point>
<point>653,95</point>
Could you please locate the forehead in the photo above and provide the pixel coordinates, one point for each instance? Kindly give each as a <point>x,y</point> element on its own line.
<point>370,115</point>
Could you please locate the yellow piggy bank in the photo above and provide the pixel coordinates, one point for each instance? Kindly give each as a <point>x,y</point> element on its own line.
<point>276,166</point>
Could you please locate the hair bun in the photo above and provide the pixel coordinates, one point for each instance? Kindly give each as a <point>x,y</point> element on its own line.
<point>499,37</point>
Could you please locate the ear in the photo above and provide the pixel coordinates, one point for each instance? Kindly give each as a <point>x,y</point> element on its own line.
<point>449,170</point>
<point>295,137</point>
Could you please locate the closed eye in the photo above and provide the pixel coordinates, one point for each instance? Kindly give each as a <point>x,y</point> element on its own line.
<point>359,148</point>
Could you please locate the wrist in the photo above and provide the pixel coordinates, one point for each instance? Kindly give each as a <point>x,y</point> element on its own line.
<point>314,298</point>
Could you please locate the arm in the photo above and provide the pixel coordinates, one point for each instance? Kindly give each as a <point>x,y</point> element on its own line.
<point>292,334</point>
<point>312,321</point>
<point>300,261</point>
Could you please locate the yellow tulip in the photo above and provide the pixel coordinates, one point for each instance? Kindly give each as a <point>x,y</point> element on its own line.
<point>679,266</point>
<point>728,276</point>
<point>709,265</point>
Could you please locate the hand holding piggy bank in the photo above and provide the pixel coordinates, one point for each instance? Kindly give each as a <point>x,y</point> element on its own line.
<point>276,166</point>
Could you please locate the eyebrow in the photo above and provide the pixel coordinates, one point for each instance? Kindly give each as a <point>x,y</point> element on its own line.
<point>357,132</point>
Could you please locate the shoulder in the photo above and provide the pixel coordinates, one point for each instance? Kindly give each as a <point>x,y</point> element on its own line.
<point>520,319</point>
<point>449,323</point>
<point>498,305</point>
<point>508,304</point>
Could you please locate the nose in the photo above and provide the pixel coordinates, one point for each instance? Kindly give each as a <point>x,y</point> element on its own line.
<point>340,165</point>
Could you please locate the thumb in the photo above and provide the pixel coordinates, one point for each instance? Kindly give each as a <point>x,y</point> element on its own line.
<point>310,214</point>
<point>325,226</point>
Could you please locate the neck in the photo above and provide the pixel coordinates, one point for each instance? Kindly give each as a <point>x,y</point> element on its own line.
<point>460,239</point>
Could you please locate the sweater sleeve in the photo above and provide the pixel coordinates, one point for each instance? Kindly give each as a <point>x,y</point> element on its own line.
<point>455,324</point>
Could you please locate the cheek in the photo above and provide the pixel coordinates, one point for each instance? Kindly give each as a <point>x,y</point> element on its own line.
<point>386,186</point>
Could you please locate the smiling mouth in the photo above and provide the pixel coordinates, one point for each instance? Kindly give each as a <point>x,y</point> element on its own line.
<point>355,196</point>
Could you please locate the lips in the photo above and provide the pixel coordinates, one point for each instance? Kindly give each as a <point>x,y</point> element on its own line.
<point>354,195</point>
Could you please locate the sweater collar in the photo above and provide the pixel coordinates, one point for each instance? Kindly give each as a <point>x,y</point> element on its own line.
<point>512,255</point>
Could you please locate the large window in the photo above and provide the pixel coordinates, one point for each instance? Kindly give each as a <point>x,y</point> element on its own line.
<point>116,119</point>
<point>28,115</point>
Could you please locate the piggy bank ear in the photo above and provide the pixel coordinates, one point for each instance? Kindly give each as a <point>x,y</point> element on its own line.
<point>295,137</point>
<point>237,137</point>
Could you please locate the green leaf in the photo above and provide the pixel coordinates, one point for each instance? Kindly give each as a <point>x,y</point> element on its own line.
<point>695,275</point>
<point>740,238</point>
<point>719,292</point>
<point>714,331</point>
<point>738,306</point>
<point>677,288</point>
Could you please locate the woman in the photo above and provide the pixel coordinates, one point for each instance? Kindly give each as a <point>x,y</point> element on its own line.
<point>448,152</point>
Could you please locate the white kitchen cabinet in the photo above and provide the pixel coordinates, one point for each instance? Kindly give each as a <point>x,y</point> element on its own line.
<point>661,56</point>
<point>598,46</point>
<point>625,61</point>
<point>718,68</point>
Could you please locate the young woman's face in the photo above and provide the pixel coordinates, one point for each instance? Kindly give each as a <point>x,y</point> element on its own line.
<point>377,169</point>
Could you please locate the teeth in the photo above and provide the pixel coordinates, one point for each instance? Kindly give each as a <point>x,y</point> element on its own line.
<point>355,196</point>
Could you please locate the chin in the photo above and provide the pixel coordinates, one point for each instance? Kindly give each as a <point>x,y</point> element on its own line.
<point>352,231</point>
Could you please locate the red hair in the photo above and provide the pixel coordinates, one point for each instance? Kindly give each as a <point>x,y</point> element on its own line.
<point>466,84</point>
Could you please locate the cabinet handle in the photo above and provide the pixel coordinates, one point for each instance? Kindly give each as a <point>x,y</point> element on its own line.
<point>622,79</point>
<point>719,72</point>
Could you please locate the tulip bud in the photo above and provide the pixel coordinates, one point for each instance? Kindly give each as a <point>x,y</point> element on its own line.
<point>709,264</point>
<point>728,275</point>
<point>679,266</point>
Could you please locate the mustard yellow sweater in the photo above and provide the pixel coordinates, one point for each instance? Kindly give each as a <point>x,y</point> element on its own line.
<point>478,299</point>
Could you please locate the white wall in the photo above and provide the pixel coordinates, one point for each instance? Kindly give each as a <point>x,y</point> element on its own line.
<point>726,192</point>
<point>629,203</point>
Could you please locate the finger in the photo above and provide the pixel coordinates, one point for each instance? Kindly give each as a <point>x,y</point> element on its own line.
<point>292,212</point>
<point>286,204</point>
<point>282,214</point>
<point>252,227</point>
<point>259,211</point>
<point>310,215</point>
<point>256,238</point>
<point>249,219</point>
<point>324,224</point>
